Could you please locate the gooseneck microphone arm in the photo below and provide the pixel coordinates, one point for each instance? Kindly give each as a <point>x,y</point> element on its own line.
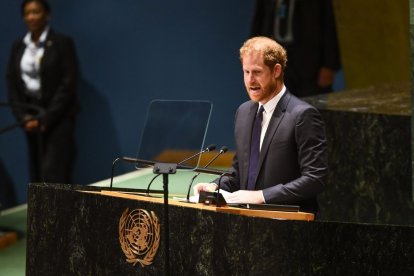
<point>222,150</point>
<point>128,160</point>
<point>149,185</point>
<point>219,183</point>
<point>112,171</point>
<point>207,149</point>
<point>152,163</point>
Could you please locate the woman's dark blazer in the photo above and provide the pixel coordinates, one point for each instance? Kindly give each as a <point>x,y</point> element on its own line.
<point>59,78</point>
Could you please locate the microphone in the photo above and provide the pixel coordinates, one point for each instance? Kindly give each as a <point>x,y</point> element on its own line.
<point>222,150</point>
<point>207,149</point>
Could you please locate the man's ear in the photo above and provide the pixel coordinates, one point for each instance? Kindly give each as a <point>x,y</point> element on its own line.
<point>277,70</point>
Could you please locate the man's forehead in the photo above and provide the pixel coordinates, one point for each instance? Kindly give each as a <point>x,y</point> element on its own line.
<point>253,57</point>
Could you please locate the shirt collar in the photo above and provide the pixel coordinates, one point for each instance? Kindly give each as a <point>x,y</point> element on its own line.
<point>28,41</point>
<point>271,105</point>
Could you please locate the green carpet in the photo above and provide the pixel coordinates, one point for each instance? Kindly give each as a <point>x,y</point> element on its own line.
<point>13,257</point>
<point>177,183</point>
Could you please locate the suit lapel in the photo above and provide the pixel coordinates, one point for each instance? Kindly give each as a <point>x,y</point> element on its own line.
<point>20,52</point>
<point>246,137</point>
<point>48,44</point>
<point>277,117</point>
<point>250,121</point>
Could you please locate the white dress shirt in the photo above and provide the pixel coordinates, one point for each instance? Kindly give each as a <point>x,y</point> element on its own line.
<point>30,63</point>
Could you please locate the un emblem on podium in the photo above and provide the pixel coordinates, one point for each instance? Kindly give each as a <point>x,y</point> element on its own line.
<point>139,235</point>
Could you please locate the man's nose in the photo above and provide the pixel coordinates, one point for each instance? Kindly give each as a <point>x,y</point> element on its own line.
<point>29,16</point>
<point>250,78</point>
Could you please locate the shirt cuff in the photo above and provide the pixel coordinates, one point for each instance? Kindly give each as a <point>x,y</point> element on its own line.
<point>264,201</point>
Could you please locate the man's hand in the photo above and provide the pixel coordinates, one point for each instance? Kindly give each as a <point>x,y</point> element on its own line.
<point>326,77</point>
<point>208,187</point>
<point>243,196</point>
<point>31,125</point>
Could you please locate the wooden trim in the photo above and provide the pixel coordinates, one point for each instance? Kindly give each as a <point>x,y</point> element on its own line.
<point>226,209</point>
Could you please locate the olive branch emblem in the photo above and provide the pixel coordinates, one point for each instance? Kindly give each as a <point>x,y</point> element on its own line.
<point>139,236</point>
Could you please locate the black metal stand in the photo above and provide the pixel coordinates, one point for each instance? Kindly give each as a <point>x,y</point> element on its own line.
<point>152,163</point>
<point>165,169</point>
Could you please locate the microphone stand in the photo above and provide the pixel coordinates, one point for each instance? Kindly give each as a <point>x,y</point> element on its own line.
<point>223,150</point>
<point>152,163</point>
<point>214,198</point>
<point>207,149</point>
<point>165,169</point>
<point>128,160</point>
<point>149,185</point>
<point>189,186</point>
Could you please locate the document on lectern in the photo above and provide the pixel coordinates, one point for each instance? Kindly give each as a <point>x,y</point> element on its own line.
<point>268,207</point>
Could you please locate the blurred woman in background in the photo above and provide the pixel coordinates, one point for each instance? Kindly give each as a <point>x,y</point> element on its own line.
<point>43,71</point>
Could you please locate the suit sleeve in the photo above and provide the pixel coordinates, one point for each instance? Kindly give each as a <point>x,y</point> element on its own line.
<point>13,79</point>
<point>64,95</point>
<point>312,157</point>
<point>231,183</point>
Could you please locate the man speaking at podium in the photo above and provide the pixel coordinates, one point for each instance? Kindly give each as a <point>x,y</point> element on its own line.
<point>281,151</point>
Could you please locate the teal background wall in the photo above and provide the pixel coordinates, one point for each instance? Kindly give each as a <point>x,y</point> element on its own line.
<point>130,53</point>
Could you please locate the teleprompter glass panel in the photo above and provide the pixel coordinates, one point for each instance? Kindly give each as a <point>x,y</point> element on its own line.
<point>175,131</point>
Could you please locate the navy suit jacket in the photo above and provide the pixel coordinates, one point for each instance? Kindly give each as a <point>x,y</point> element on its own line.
<point>293,156</point>
<point>59,78</point>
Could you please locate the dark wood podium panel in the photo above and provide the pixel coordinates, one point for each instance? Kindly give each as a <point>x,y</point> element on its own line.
<point>75,230</point>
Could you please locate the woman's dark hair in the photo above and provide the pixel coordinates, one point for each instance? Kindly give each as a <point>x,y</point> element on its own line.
<point>44,3</point>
